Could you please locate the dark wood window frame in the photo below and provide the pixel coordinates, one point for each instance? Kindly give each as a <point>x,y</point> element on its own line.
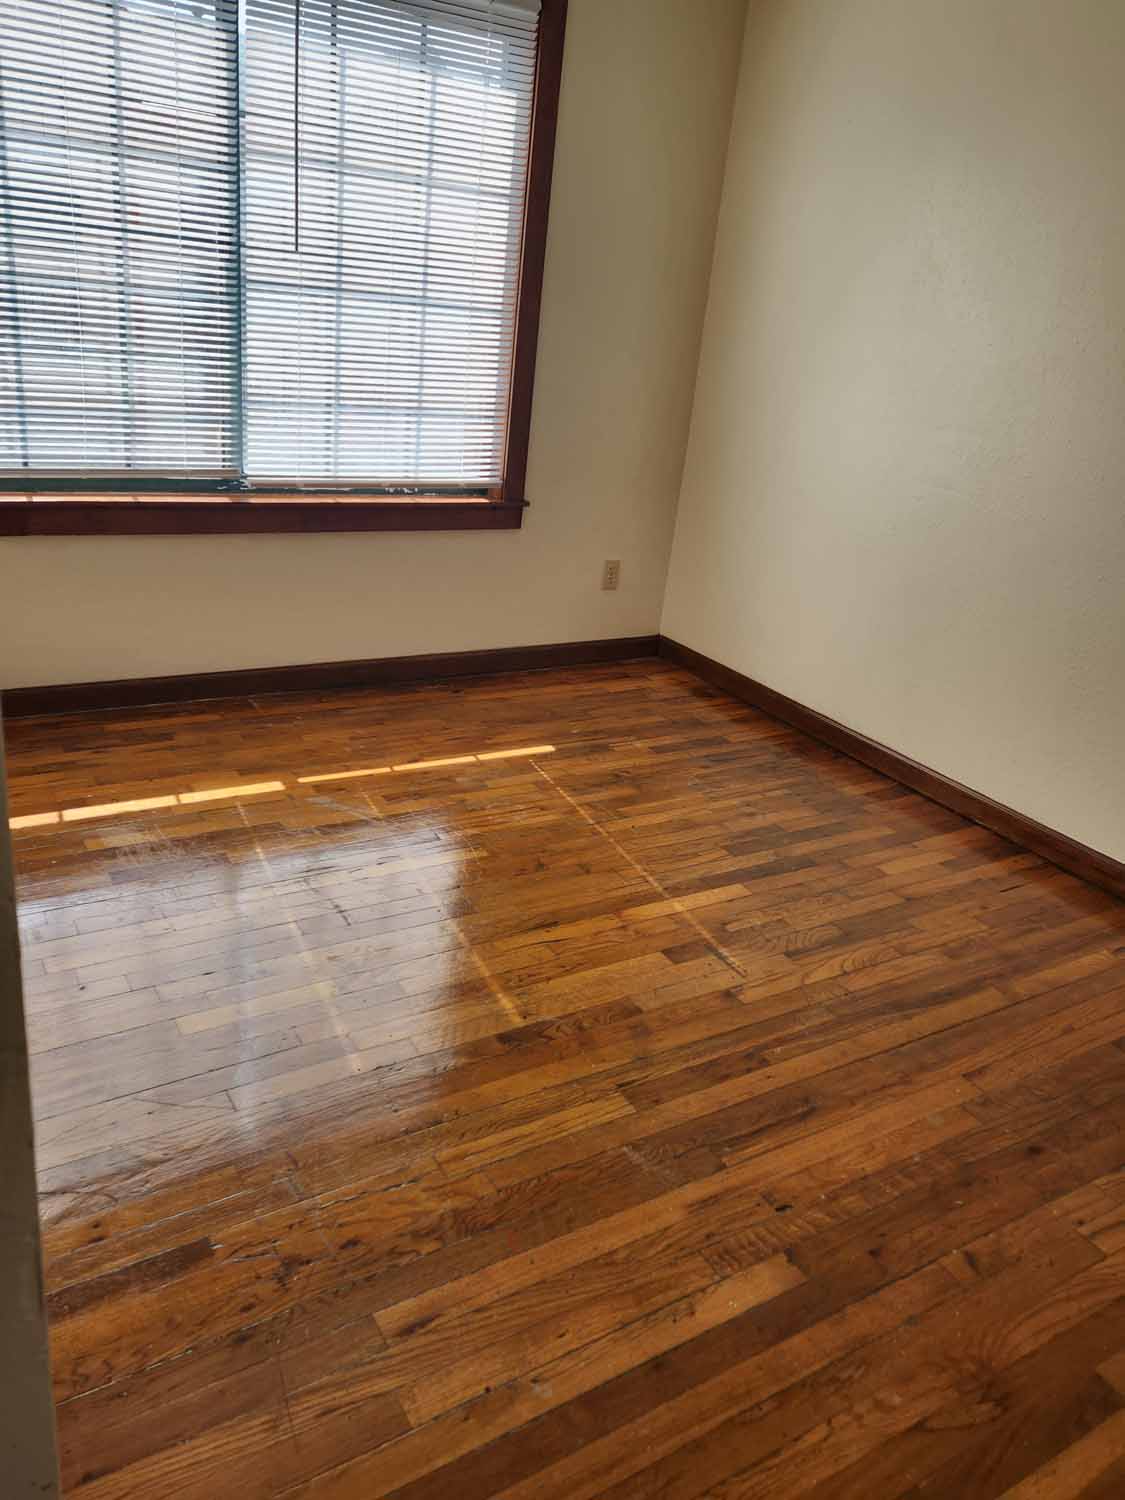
<point>45,513</point>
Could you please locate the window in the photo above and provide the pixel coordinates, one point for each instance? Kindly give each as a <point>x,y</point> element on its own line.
<point>270,264</point>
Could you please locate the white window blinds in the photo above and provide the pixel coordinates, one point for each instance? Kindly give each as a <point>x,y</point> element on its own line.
<point>261,241</point>
<point>118,204</point>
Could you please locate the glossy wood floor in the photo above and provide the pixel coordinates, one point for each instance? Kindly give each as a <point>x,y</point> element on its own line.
<point>667,1108</point>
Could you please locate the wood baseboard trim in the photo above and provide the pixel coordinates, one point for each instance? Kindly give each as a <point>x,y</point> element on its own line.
<point>1088,864</point>
<point>84,697</point>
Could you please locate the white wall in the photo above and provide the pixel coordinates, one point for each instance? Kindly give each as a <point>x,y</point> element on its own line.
<point>904,499</point>
<point>645,114</point>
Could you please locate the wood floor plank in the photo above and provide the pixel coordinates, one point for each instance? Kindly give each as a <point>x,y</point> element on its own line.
<point>1074,1471</point>
<point>625,1097</point>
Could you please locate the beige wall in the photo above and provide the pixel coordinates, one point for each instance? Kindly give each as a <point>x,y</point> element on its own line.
<point>904,500</point>
<point>644,119</point>
<point>27,1413</point>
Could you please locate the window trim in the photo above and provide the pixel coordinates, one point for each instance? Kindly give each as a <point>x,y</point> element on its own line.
<point>71,508</point>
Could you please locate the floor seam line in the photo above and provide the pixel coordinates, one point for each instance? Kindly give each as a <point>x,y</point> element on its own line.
<point>693,921</point>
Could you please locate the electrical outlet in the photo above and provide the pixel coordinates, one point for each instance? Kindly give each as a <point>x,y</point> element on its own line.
<point>611,573</point>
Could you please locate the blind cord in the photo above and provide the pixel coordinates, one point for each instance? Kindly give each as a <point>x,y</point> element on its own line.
<point>296,127</point>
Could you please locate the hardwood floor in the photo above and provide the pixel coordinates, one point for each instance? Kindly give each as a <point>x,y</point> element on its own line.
<point>562,1085</point>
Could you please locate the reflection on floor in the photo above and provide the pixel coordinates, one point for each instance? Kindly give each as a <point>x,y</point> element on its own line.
<point>563,1085</point>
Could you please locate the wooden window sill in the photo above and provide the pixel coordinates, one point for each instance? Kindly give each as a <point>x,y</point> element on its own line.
<point>224,515</point>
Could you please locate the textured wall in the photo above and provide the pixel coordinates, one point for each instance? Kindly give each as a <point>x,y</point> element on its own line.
<point>904,499</point>
<point>645,114</point>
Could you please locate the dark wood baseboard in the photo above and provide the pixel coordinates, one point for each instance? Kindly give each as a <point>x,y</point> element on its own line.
<point>1089,864</point>
<point>82,697</point>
